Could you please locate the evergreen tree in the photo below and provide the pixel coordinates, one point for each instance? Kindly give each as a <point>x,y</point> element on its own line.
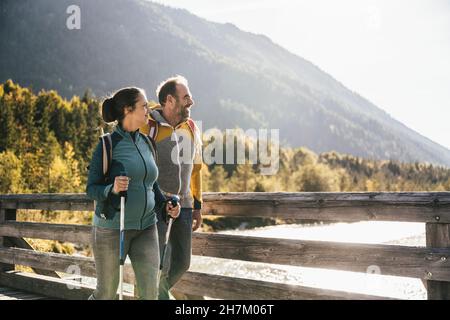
<point>217,181</point>
<point>243,179</point>
<point>10,173</point>
<point>316,178</point>
<point>9,127</point>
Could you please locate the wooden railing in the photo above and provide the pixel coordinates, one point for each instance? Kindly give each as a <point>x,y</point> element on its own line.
<point>430,263</point>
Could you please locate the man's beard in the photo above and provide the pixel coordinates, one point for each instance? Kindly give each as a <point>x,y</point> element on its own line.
<point>185,113</point>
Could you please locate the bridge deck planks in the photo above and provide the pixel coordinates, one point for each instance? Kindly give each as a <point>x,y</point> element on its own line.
<point>7,293</point>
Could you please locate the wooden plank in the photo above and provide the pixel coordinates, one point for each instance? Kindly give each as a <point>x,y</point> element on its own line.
<point>400,198</point>
<point>7,291</point>
<point>381,206</point>
<point>51,206</point>
<point>192,283</point>
<point>57,262</point>
<point>2,238</point>
<point>351,213</point>
<point>222,287</point>
<point>438,235</point>
<point>5,297</point>
<point>48,201</point>
<point>61,232</point>
<point>392,260</point>
<point>6,214</point>
<point>52,287</point>
<point>18,295</point>
<point>23,244</point>
<point>23,296</point>
<point>431,207</point>
<point>404,261</point>
<point>443,198</point>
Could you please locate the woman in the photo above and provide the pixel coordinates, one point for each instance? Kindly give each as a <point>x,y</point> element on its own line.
<point>132,155</point>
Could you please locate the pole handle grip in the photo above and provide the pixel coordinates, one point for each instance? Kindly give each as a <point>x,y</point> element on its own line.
<point>123,193</point>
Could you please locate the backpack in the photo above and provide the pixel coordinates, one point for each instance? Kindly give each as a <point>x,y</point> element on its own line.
<point>107,150</point>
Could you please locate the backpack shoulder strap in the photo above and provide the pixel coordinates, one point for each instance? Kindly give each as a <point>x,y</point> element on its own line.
<point>153,128</point>
<point>107,152</point>
<point>195,131</point>
<point>192,126</point>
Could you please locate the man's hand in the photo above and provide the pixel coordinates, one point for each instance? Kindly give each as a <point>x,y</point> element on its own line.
<point>196,219</point>
<point>172,211</point>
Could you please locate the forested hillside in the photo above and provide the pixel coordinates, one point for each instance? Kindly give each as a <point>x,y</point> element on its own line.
<point>238,79</point>
<point>46,143</point>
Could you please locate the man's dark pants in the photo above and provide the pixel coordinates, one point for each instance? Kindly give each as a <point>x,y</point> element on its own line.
<point>179,250</point>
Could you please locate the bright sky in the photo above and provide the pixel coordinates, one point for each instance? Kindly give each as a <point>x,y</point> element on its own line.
<point>395,53</point>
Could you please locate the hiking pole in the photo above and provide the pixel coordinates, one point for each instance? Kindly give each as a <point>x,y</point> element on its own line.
<point>122,194</point>
<point>175,199</point>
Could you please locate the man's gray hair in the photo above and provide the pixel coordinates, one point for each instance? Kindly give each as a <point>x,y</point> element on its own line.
<point>169,86</point>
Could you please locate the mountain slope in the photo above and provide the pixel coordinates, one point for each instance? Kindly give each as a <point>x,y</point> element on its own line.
<point>237,78</point>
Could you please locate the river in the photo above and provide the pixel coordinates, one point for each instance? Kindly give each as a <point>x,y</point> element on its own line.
<point>389,233</point>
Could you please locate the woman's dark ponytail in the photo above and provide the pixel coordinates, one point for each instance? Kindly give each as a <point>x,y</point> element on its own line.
<point>113,108</point>
<point>107,110</point>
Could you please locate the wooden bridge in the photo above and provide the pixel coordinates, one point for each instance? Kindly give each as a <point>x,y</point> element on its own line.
<point>430,263</point>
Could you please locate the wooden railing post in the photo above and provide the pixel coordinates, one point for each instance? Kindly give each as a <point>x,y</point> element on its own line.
<point>438,236</point>
<point>6,214</point>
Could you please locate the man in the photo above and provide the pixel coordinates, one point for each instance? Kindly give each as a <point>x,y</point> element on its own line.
<point>179,162</point>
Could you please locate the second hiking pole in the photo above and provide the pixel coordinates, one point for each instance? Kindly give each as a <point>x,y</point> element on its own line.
<point>175,199</point>
<point>123,194</point>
